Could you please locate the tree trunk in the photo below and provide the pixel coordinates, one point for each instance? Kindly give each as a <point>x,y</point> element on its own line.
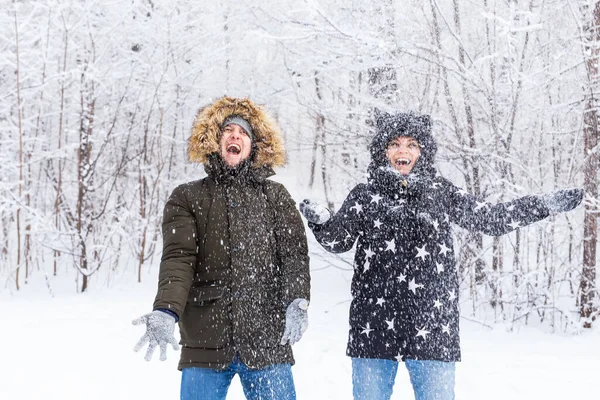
<point>320,138</point>
<point>587,285</point>
<point>57,200</point>
<point>20,127</point>
<point>84,174</point>
<point>477,237</point>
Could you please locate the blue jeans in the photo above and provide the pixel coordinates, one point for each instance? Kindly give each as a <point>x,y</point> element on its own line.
<point>274,382</point>
<point>373,379</point>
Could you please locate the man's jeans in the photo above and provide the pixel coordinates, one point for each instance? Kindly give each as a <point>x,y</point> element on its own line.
<point>373,379</point>
<point>274,382</point>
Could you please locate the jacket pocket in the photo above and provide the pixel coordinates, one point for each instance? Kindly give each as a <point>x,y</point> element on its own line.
<point>265,319</point>
<point>205,322</point>
<point>203,295</point>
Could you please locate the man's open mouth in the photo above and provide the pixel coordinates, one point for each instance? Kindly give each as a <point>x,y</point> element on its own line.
<point>234,149</point>
<point>403,161</point>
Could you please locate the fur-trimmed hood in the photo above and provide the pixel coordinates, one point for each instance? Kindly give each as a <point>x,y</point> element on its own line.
<point>206,132</point>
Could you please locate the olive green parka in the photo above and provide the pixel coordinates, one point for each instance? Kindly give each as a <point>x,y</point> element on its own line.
<point>234,249</point>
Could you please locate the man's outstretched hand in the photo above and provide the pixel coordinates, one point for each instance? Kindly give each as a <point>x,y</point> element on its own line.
<point>160,328</point>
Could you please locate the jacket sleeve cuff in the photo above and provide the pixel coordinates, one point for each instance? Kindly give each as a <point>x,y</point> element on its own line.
<point>170,312</point>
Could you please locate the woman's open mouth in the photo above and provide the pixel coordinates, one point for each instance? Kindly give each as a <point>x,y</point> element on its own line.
<point>403,161</point>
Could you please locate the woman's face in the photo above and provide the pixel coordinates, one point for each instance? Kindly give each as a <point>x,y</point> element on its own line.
<point>403,152</point>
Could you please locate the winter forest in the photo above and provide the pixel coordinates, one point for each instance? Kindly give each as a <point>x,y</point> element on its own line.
<point>97,101</point>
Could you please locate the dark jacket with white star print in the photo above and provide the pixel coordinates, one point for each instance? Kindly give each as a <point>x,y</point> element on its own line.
<point>405,285</point>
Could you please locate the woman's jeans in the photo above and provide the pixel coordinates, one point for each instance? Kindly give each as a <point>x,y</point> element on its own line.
<point>373,379</point>
<point>274,382</point>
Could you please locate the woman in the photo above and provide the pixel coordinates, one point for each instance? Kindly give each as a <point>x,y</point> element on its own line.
<point>405,285</point>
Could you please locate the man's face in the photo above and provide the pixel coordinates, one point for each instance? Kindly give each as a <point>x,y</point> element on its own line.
<point>403,152</point>
<point>235,145</point>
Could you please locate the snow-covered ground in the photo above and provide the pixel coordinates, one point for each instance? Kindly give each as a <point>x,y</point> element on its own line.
<point>75,346</point>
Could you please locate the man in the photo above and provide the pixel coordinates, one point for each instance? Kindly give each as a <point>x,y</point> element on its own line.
<point>235,268</point>
<point>405,286</point>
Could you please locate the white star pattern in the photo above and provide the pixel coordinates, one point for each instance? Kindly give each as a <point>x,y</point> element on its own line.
<point>423,333</point>
<point>480,205</point>
<point>401,278</point>
<point>422,253</point>
<point>399,357</point>
<point>446,329</point>
<point>451,295</point>
<point>369,253</point>
<point>391,245</point>
<point>437,304</point>
<point>377,223</point>
<point>444,249</point>
<point>332,243</point>
<point>375,198</point>
<point>366,330</point>
<point>390,324</point>
<point>367,266</point>
<point>380,301</point>
<point>515,224</point>
<point>357,207</point>
<point>439,267</point>
<point>413,286</point>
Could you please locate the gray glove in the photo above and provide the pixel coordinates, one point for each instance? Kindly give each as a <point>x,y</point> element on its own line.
<point>296,321</point>
<point>563,200</point>
<point>314,212</point>
<point>159,332</point>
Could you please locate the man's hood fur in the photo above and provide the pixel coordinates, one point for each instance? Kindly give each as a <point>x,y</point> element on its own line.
<point>206,131</point>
